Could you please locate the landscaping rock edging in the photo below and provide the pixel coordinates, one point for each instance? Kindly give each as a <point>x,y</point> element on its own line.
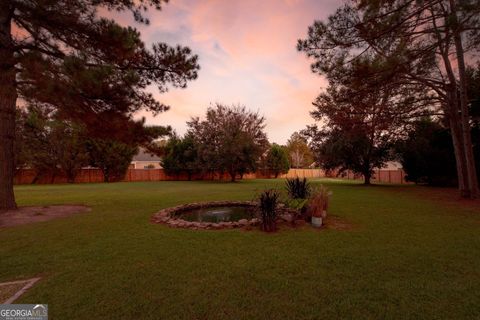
<point>169,216</point>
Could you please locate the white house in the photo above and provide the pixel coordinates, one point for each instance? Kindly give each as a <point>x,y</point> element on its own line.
<point>145,160</point>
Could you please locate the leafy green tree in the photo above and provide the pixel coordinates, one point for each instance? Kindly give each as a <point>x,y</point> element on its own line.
<point>111,157</point>
<point>427,154</point>
<point>69,141</point>
<point>63,54</point>
<point>277,160</point>
<point>49,146</point>
<point>35,150</point>
<point>299,152</point>
<point>181,156</point>
<point>353,150</point>
<point>362,118</point>
<point>230,139</point>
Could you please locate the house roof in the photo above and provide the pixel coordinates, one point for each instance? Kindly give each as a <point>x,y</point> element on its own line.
<point>144,155</point>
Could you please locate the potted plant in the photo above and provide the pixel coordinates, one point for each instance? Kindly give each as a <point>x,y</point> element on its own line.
<point>318,205</point>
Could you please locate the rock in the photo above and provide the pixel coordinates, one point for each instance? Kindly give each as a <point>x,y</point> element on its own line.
<point>287,217</point>
<point>163,213</point>
<point>181,223</point>
<point>254,221</point>
<point>243,222</point>
<point>299,222</point>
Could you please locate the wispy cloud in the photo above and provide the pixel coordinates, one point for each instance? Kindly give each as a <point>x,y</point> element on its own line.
<point>248,55</point>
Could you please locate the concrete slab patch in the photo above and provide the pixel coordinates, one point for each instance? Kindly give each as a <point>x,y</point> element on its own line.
<point>11,291</point>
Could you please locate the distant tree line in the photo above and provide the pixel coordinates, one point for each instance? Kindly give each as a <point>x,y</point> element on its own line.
<point>231,140</point>
<point>360,140</point>
<point>52,146</point>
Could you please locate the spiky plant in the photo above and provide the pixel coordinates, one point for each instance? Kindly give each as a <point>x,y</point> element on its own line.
<point>268,200</point>
<point>298,188</point>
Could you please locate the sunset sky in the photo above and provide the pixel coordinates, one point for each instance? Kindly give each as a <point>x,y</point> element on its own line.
<point>247,54</point>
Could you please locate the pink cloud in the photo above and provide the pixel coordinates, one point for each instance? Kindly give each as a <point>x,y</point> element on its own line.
<point>247,54</point>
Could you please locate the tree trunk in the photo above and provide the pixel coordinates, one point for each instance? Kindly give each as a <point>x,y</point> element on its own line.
<point>367,177</point>
<point>458,146</point>
<point>106,175</point>
<point>465,117</point>
<point>53,175</point>
<point>71,175</point>
<point>453,108</point>
<point>232,176</point>
<point>8,99</point>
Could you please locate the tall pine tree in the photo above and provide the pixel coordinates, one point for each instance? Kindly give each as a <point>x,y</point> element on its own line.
<point>426,43</point>
<point>64,54</point>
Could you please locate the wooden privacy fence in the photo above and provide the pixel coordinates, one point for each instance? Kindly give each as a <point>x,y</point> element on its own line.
<point>28,176</point>
<point>381,176</point>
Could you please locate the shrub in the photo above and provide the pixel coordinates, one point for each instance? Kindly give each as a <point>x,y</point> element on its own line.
<point>268,209</point>
<point>298,188</point>
<point>318,202</point>
<point>111,157</point>
<point>427,154</point>
<point>277,160</point>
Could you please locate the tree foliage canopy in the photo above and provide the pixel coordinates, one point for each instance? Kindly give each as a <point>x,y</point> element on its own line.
<point>427,154</point>
<point>181,156</point>
<point>299,152</point>
<point>51,146</point>
<point>277,160</point>
<point>230,139</point>
<point>362,119</point>
<point>48,145</point>
<point>89,67</point>
<point>415,45</point>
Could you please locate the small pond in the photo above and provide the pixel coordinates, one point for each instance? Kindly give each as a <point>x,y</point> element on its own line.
<point>218,214</point>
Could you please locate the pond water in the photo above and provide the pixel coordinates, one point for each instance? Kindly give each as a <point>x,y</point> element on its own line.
<point>218,214</point>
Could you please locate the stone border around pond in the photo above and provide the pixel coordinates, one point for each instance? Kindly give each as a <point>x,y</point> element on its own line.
<point>169,216</point>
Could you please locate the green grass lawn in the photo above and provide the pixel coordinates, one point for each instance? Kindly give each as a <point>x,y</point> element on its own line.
<point>412,253</point>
